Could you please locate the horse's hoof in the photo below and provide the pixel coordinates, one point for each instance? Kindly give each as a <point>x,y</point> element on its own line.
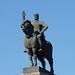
<point>35,64</point>
<point>25,51</point>
<point>31,65</point>
<point>52,72</point>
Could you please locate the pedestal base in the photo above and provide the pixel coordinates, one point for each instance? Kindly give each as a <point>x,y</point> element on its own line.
<point>35,71</point>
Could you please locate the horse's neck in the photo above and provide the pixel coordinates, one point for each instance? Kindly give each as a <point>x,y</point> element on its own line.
<point>29,36</point>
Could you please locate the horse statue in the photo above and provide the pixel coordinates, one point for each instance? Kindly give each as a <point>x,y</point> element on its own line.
<point>32,46</point>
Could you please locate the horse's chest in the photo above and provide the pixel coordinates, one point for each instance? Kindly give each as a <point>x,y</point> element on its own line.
<point>27,42</point>
<point>31,42</point>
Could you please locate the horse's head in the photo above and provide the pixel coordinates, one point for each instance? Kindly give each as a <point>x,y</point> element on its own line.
<point>27,27</point>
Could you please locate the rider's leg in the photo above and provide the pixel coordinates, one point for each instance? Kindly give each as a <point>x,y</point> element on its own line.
<point>34,55</point>
<point>40,41</point>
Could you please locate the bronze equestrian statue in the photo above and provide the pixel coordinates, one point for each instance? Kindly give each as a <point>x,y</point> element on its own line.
<point>35,42</point>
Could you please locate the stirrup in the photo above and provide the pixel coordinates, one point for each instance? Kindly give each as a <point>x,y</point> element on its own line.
<point>40,50</point>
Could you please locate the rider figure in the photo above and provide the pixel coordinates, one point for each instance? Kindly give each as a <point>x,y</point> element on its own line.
<point>39,28</point>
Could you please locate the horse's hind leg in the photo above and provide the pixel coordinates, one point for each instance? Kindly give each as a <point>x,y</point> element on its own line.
<point>51,65</point>
<point>41,59</point>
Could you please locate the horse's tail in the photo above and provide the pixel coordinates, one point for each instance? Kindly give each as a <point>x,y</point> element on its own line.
<point>48,49</point>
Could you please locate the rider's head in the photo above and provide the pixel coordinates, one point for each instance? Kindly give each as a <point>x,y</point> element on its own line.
<point>36,16</point>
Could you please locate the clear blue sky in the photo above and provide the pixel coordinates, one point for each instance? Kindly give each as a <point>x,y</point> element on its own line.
<point>59,15</point>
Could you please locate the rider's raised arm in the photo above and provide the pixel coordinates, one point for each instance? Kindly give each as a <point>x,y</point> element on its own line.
<point>44,27</point>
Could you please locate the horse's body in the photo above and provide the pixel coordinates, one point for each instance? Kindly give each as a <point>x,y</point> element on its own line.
<point>32,45</point>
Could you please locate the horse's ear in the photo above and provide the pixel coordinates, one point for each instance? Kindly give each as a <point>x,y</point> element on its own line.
<point>27,21</point>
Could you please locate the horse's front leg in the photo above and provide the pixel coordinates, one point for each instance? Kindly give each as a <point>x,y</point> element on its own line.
<point>30,57</point>
<point>34,55</point>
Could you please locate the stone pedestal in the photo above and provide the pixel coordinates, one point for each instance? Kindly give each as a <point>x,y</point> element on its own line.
<point>35,71</point>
